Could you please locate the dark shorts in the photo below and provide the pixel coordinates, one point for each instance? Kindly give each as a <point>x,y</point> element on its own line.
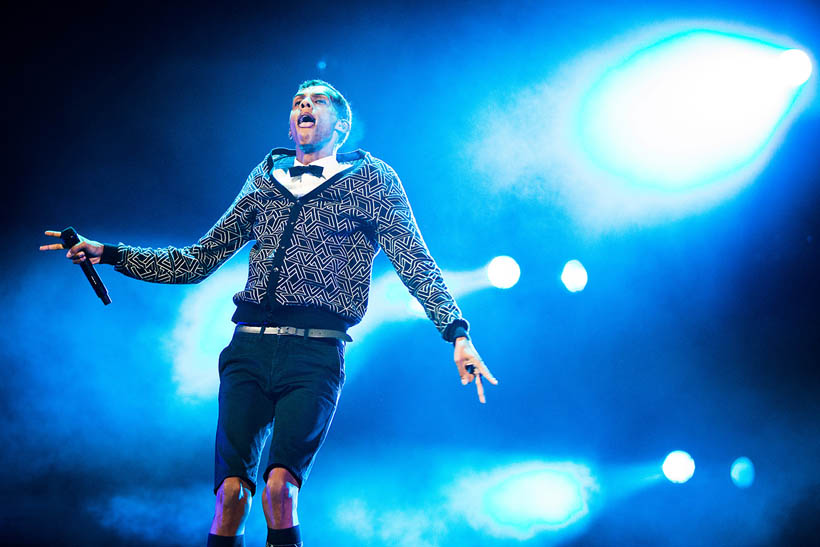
<point>264,378</point>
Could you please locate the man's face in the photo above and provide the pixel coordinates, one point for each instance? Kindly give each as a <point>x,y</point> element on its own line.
<point>313,119</point>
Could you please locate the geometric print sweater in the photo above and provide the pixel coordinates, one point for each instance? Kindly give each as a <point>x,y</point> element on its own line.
<point>310,253</point>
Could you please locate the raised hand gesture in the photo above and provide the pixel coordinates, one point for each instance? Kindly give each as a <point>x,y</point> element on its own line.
<point>84,250</point>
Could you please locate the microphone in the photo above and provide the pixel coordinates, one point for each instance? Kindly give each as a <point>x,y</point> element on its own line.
<point>70,238</point>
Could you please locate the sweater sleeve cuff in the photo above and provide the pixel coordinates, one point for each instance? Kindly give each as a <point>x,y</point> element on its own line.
<point>457,328</point>
<point>110,254</point>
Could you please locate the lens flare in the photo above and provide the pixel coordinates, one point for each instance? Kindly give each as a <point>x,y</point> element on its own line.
<point>743,472</point>
<point>678,466</point>
<point>574,276</point>
<point>503,272</point>
<point>795,66</point>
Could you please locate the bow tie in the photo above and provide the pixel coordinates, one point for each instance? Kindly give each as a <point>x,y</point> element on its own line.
<point>297,170</point>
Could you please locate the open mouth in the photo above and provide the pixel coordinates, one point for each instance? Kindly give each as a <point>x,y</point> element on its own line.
<point>306,120</point>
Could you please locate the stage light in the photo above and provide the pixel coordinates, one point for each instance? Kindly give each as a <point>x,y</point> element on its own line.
<point>690,109</point>
<point>546,498</point>
<point>574,276</point>
<point>796,67</point>
<point>743,472</point>
<point>678,466</point>
<point>522,500</point>
<point>503,272</point>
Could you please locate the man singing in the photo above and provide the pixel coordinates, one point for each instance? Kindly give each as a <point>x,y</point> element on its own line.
<point>317,219</point>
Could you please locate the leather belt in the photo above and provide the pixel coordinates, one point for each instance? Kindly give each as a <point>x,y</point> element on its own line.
<point>293,331</point>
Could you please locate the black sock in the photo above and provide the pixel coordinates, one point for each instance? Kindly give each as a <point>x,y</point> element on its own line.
<point>287,537</point>
<point>226,541</point>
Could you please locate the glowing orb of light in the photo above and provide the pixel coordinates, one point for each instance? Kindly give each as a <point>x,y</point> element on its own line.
<point>690,110</point>
<point>503,272</point>
<point>678,466</point>
<point>574,276</point>
<point>743,472</point>
<point>795,67</point>
<point>524,499</point>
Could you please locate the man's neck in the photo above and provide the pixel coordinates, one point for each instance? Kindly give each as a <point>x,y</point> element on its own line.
<point>308,156</point>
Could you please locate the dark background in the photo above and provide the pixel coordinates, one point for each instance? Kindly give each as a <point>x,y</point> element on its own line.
<point>139,124</point>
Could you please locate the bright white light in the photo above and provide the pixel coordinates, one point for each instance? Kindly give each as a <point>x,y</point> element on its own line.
<point>574,277</point>
<point>743,472</point>
<point>795,66</point>
<point>678,466</point>
<point>690,109</point>
<point>503,272</point>
<point>616,152</point>
<point>521,500</point>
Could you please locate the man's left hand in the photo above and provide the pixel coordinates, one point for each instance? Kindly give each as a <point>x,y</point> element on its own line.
<point>471,366</point>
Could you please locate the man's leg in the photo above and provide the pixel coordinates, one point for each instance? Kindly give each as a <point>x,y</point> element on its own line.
<point>245,415</point>
<point>233,504</point>
<point>279,503</point>
<point>309,384</point>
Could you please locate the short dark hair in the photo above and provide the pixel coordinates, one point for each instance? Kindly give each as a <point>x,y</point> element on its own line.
<point>336,98</point>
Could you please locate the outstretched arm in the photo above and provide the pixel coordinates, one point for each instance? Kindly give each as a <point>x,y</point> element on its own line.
<point>190,264</point>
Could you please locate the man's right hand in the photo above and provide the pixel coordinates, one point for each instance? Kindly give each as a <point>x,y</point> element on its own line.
<point>84,250</point>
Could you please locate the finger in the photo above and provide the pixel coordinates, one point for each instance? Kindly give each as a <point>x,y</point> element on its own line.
<point>488,375</point>
<point>52,233</point>
<point>77,249</point>
<point>52,247</point>
<point>480,388</point>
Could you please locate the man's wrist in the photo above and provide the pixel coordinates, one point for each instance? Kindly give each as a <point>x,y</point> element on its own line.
<point>457,328</point>
<point>110,254</point>
<point>460,333</point>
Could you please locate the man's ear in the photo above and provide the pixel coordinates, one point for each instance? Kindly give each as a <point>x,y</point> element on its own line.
<point>343,126</point>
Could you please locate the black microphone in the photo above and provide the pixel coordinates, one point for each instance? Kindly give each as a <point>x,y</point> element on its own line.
<point>70,238</point>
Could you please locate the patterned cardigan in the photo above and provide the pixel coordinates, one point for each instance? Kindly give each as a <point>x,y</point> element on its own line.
<point>314,252</point>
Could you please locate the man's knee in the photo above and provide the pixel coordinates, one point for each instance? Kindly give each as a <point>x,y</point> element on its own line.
<point>234,495</point>
<point>281,486</point>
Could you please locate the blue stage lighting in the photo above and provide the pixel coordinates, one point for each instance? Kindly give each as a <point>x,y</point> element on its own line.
<point>523,500</point>
<point>503,272</point>
<point>691,109</point>
<point>743,472</point>
<point>678,466</point>
<point>574,276</point>
<point>203,328</point>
